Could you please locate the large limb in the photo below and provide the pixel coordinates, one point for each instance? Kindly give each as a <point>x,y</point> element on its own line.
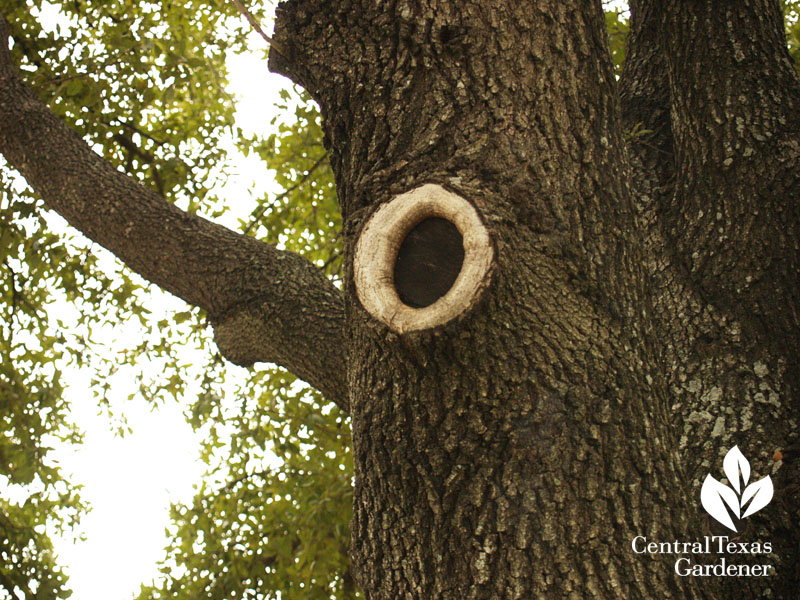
<point>265,304</point>
<point>645,103</point>
<point>734,227</point>
<point>717,181</point>
<point>736,119</point>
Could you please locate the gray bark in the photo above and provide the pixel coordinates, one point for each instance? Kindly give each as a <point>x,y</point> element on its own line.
<point>516,452</point>
<point>717,186</point>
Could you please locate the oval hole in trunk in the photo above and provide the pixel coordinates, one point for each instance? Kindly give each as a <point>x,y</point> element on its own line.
<point>428,262</point>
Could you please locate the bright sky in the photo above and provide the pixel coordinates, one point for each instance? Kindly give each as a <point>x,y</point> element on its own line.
<point>131,481</point>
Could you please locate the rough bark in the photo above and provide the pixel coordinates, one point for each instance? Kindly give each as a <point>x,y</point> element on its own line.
<point>717,186</point>
<point>516,451</point>
<point>265,304</point>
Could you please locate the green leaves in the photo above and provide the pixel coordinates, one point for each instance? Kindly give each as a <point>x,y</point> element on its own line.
<point>279,523</point>
<point>617,26</point>
<point>791,11</point>
<point>305,217</point>
<point>141,82</point>
<point>27,558</point>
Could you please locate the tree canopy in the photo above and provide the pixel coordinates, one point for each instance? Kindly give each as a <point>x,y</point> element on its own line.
<point>145,85</point>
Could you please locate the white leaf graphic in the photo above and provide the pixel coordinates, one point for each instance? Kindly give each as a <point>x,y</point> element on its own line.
<point>733,464</point>
<point>712,496</point>
<point>761,492</point>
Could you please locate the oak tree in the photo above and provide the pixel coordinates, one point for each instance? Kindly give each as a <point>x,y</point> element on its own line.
<point>565,295</point>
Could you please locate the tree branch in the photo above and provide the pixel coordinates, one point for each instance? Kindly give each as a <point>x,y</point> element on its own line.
<point>645,102</point>
<point>735,105</point>
<point>264,304</point>
<point>718,240</point>
<point>255,25</point>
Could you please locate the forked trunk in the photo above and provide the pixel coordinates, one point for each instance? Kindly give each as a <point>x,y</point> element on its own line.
<point>516,449</point>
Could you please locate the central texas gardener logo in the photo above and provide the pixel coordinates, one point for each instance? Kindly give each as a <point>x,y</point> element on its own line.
<point>716,496</point>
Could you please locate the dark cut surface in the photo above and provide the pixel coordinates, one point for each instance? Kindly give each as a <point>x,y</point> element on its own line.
<point>428,262</point>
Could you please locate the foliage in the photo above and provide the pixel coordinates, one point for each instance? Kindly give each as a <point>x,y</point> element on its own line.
<point>137,81</point>
<point>144,83</point>
<point>617,25</point>
<point>791,11</point>
<point>305,218</point>
<point>280,523</point>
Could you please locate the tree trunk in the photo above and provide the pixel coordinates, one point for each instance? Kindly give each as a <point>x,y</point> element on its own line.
<point>630,335</point>
<point>515,451</point>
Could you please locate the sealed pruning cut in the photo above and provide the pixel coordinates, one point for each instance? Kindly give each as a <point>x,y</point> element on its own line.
<point>422,259</point>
